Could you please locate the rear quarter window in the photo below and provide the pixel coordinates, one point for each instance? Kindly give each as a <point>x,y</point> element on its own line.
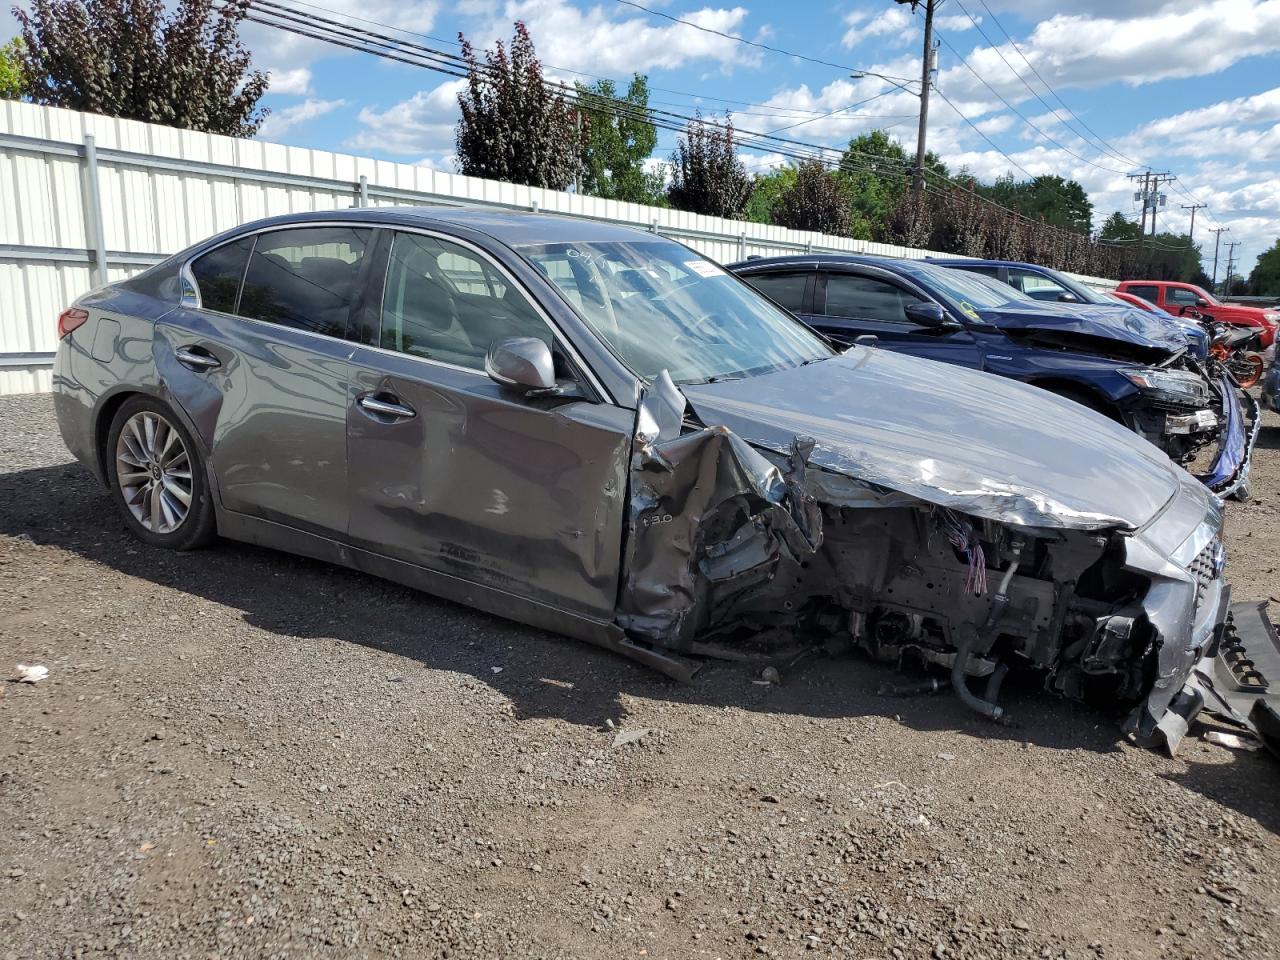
<point>219,272</point>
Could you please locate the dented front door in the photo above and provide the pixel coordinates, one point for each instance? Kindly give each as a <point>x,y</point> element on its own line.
<point>482,485</point>
<point>450,471</point>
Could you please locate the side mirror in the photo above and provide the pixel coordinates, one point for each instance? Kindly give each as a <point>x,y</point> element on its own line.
<point>523,364</point>
<point>1068,297</point>
<point>1201,302</point>
<point>929,314</point>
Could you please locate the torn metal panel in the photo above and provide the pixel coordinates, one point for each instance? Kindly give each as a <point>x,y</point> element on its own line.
<point>709,517</point>
<point>881,418</point>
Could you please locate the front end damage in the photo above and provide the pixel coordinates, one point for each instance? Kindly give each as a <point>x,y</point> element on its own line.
<point>739,551</point>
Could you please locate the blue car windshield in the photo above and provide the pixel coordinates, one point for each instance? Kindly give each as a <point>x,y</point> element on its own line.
<point>660,306</point>
<point>968,291</point>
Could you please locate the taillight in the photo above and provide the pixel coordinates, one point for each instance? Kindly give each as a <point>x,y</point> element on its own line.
<point>71,319</point>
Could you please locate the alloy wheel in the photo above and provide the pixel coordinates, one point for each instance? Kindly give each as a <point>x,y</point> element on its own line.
<point>153,471</point>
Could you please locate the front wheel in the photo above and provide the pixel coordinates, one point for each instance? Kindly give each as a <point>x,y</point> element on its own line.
<point>157,476</point>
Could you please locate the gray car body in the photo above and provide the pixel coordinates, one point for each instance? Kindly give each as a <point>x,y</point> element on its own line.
<point>537,511</point>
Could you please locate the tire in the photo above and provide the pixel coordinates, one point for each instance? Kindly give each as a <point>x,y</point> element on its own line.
<point>148,448</point>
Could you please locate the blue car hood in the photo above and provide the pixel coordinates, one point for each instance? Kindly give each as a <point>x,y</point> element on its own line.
<point>1126,324</point>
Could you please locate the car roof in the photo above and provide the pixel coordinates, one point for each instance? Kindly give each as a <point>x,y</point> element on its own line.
<point>977,262</point>
<point>818,260</point>
<point>512,227</point>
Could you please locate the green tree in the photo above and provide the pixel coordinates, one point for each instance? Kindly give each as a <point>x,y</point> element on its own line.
<point>181,65</point>
<point>1264,279</point>
<point>877,171</point>
<point>1058,202</point>
<point>512,128</point>
<point>817,200</point>
<point>706,175</point>
<point>620,138</point>
<point>1119,228</point>
<point>11,70</point>
<point>765,190</point>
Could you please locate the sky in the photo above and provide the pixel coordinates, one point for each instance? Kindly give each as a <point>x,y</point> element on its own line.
<point>1090,90</point>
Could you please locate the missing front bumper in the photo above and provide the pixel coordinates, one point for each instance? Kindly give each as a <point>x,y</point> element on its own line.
<point>1237,680</point>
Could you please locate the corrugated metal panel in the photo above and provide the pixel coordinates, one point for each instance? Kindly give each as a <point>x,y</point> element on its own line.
<point>163,189</point>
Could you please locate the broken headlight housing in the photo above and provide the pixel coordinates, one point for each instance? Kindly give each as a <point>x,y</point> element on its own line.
<point>1171,386</point>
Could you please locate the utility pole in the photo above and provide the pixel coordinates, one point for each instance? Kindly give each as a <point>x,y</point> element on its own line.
<point>1231,259</point>
<point>1193,207</point>
<point>1217,237</point>
<point>926,73</point>
<point>1150,196</point>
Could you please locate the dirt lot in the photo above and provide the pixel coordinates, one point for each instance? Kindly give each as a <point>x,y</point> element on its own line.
<point>238,753</point>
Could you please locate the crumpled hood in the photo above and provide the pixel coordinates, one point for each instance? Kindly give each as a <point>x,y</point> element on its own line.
<point>977,443</point>
<point>1128,324</point>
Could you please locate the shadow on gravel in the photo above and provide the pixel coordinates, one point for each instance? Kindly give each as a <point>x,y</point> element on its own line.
<point>544,675</point>
<point>1268,438</point>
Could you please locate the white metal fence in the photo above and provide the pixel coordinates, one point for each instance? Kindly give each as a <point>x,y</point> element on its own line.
<point>86,199</point>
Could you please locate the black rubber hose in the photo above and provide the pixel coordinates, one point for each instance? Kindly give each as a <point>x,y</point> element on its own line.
<point>963,652</point>
<point>992,693</point>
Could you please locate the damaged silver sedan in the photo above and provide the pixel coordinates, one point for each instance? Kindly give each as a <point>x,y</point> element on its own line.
<point>597,431</point>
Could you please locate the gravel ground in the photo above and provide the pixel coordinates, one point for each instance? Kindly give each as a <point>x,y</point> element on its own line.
<point>242,754</point>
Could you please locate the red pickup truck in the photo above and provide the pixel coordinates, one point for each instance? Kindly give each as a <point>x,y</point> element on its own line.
<point>1177,297</point>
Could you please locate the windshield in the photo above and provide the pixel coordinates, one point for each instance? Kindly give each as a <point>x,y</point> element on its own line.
<point>660,306</point>
<point>1208,297</point>
<point>1079,289</point>
<point>968,291</point>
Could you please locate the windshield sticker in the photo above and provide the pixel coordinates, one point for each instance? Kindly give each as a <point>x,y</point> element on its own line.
<point>968,308</point>
<point>702,268</point>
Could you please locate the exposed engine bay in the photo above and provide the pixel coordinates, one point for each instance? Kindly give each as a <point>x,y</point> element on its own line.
<point>744,554</point>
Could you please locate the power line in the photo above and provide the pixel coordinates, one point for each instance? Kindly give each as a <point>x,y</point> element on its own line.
<point>1108,148</point>
<point>280,16</point>
<point>730,36</point>
<point>1025,119</point>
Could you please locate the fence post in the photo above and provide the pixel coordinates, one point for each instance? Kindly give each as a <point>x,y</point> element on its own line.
<point>742,246</point>
<point>93,212</point>
<point>364,191</point>
<point>808,247</point>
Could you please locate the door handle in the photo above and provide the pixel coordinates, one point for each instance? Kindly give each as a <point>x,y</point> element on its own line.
<point>197,359</point>
<point>386,408</point>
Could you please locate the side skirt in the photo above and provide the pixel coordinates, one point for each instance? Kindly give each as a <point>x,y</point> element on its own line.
<point>601,633</point>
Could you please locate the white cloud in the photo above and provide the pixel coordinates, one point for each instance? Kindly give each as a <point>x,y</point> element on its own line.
<point>421,126</point>
<point>280,122</point>
<point>957,23</point>
<point>1177,40</point>
<point>894,22</point>
<point>997,124</point>
<point>616,41</point>
<point>280,51</point>
<point>296,81</point>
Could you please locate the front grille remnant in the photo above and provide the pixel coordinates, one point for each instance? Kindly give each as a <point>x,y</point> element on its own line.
<point>1206,568</point>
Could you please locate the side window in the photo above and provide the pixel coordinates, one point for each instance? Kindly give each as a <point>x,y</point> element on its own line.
<point>864,298</point>
<point>1183,298</point>
<point>1145,292</point>
<point>784,288</point>
<point>305,278</point>
<point>1035,285</point>
<point>218,274</point>
<point>443,302</point>
<point>992,272</point>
